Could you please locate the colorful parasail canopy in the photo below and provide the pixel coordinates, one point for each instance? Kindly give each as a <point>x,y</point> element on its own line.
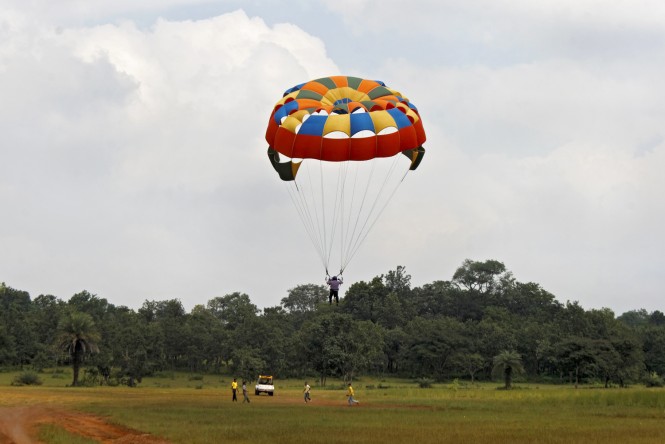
<point>342,118</point>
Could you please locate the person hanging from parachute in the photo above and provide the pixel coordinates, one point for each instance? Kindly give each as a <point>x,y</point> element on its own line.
<point>334,284</point>
<point>341,137</point>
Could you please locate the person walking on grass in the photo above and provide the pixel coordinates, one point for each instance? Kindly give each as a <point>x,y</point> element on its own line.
<point>234,389</point>
<point>244,392</point>
<point>306,391</point>
<point>350,394</point>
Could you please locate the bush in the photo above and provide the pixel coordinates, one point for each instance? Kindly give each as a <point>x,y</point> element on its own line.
<point>425,382</point>
<point>653,380</point>
<point>27,378</point>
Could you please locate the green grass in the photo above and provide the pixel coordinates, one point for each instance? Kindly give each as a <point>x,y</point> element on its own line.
<point>399,411</point>
<point>55,435</point>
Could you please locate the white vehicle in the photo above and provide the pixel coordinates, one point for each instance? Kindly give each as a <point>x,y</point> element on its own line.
<point>264,385</point>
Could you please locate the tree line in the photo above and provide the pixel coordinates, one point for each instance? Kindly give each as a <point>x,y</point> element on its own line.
<point>480,319</point>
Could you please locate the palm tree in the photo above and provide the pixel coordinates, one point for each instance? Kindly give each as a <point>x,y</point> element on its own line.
<point>508,362</point>
<point>77,335</point>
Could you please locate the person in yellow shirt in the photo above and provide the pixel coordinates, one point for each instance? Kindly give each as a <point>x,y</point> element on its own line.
<point>234,389</point>
<point>350,394</point>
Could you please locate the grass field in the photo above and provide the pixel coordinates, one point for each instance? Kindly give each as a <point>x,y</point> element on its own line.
<point>182,409</point>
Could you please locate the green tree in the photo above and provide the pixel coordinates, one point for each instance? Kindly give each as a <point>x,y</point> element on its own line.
<point>653,340</point>
<point>429,301</point>
<point>335,344</point>
<point>508,363</point>
<point>398,281</point>
<point>85,302</point>
<point>170,319</point>
<point>304,298</point>
<point>483,277</point>
<point>247,362</point>
<point>431,345</point>
<point>7,346</point>
<point>394,341</point>
<point>77,336</point>
<point>576,355</point>
<point>129,346</point>
<point>15,315</point>
<point>232,309</point>
<point>471,363</point>
<point>279,349</point>
<point>46,312</point>
<point>364,300</point>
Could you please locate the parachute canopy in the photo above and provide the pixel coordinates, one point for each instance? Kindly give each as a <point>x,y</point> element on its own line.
<point>352,130</point>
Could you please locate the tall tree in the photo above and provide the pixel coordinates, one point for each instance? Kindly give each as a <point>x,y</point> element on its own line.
<point>483,277</point>
<point>15,311</point>
<point>78,336</point>
<point>431,344</point>
<point>304,298</point>
<point>336,344</point>
<point>398,281</point>
<point>508,363</point>
<point>233,309</point>
<point>364,300</point>
<point>576,355</point>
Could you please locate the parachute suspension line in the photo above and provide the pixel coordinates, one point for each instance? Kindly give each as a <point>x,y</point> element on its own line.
<point>365,233</point>
<point>296,195</point>
<point>324,221</point>
<point>307,209</point>
<point>319,221</point>
<point>338,208</point>
<point>345,228</point>
<point>353,238</point>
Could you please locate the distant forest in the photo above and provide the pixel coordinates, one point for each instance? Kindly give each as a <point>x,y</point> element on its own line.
<point>444,330</point>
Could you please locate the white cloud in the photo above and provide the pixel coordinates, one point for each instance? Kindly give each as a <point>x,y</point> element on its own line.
<point>133,160</point>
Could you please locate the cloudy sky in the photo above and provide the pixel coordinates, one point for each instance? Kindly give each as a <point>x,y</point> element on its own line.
<point>132,150</point>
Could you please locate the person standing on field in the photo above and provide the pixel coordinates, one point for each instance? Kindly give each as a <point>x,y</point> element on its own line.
<point>244,392</point>
<point>307,397</point>
<point>350,394</point>
<point>234,389</point>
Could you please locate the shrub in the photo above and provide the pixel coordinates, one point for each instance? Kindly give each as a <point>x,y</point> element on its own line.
<point>455,385</point>
<point>27,378</point>
<point>425,382</point>
<point>653,380</point>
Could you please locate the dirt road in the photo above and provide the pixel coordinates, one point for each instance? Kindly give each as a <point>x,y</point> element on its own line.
<point>19,425</point>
